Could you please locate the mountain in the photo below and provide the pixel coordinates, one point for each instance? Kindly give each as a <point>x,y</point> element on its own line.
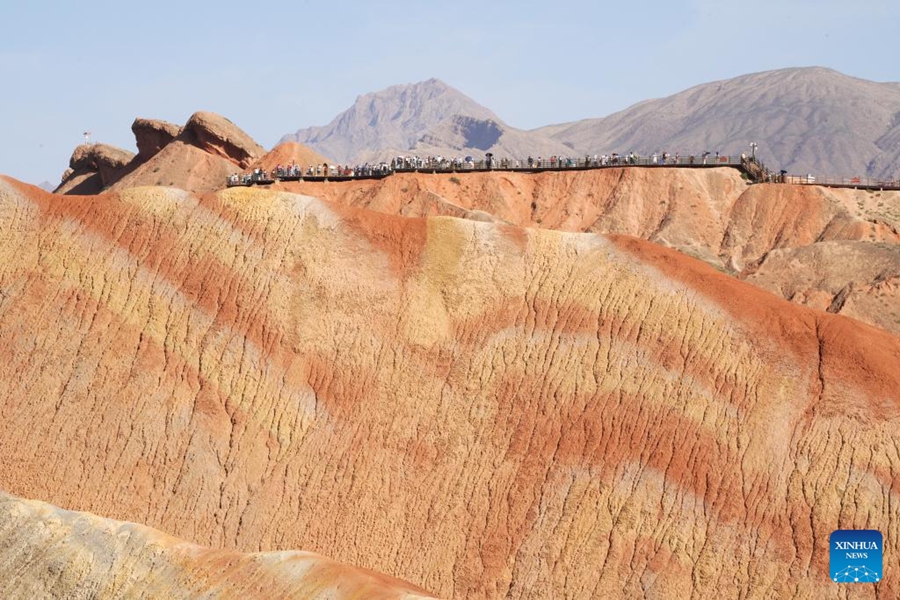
<point>426,118</point>
<point>805,120</point>
<point>481,409</point>
<point>46,552</point>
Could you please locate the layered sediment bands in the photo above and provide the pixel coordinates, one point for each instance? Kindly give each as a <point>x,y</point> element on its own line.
<point>479,409</point>
<point>710,214</point>
<point>46,552</point>
<point>856,279</point>
<point>680,207</point>
<point>774,216</point>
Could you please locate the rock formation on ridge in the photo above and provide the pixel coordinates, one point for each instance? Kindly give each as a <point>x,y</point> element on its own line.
<point>217,135</point>
<point>481,409</point>
<point>287,153</point>
<point>180,165</point>
<point>152,135</point>
<point>198,157</point>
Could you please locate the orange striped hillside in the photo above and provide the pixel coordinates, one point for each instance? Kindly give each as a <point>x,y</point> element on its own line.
<point>476,408</point>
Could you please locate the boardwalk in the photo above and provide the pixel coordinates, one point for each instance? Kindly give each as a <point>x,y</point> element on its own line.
<point>856,183</point>
<point>336,174</point>
<point>750,167</point>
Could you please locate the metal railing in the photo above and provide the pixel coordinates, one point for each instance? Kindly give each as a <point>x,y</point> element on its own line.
<point>561,164</point>
<point>844,182</point>
<point>529,165</point>
<point>750,166</point>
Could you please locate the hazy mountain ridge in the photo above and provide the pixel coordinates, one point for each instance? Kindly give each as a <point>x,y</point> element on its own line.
<point>804,120</point>
<point>427,118</point>
<point>809,119</point>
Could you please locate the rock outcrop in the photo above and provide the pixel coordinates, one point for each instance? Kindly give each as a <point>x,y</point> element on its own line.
<point>94,167</point>
<point>153,135</point>
<point>198,157</point>
<point>101,158</point>
<point>480,409</point>
<point>217,135</point>
<point>46,552</point>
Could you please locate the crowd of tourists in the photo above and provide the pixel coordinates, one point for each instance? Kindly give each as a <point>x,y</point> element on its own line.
<point>468,163</point>
<point>295,171</point>
<point>439,163</point>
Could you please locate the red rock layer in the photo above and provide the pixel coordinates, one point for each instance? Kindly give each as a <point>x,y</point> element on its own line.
<point>713,215</point>
<point>483,410</point>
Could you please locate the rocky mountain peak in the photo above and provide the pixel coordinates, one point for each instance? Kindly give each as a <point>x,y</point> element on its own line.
<point>428,116</point>
<point>392,119</point>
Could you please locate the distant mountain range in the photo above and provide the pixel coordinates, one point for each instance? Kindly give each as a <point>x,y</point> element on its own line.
<point>427,118</point>
<point>803,119</point>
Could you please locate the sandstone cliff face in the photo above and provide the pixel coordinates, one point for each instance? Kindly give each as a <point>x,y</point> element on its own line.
<point>774,216</point>
<point>46,552</point>
<point>480,409</point>
<point>710,214</point>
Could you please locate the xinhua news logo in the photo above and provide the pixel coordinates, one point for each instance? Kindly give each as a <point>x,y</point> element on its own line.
<point>856,556</point>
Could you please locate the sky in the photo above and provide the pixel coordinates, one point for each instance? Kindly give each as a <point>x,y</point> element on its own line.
<point>275,67</point>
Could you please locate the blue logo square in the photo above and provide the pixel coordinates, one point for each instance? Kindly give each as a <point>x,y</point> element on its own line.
<point>856,556</point>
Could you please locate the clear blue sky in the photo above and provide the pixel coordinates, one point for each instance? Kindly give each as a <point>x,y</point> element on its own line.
<point>273,68</point>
